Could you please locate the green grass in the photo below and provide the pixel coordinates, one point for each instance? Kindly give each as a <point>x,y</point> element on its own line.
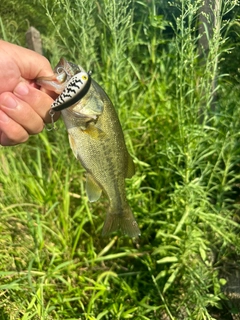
<point>54,262</point>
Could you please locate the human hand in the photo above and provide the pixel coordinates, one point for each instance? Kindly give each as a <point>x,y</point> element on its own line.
<point>23,106</point>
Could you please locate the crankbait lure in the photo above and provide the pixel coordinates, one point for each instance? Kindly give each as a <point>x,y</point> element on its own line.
<point>75,90</point>
<point>70,82</point>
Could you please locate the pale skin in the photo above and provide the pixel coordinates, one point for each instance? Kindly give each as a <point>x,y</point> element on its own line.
<point>23,105</point>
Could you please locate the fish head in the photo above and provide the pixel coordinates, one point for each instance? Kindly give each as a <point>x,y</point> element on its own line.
<point>73,83</point>
<point>63,72</point>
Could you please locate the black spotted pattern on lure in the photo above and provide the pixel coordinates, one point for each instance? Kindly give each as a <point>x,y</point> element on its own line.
<point>74,91</point>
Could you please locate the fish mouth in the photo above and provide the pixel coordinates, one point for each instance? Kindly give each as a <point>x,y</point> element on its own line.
<point>66,67</point>
<point>69,77</point>
<point>64,71</point>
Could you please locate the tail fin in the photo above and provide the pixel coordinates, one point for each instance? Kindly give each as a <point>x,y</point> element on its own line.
<point>123,221</point>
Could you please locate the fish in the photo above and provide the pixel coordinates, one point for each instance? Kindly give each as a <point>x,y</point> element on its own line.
<point>97,141</point>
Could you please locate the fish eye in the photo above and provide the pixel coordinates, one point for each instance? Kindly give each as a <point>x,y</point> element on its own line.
<point>60,70</point>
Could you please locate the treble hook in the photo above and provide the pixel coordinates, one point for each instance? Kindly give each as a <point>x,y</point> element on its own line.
<point>53,126</point>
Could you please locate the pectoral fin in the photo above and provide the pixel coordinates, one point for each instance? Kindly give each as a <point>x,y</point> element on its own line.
<point>73,145</point>
<point>94,132</point>
<point>92,188</point>
<point>130,167</point>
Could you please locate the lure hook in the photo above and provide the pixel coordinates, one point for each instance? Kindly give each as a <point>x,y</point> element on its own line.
<point>53,126</point>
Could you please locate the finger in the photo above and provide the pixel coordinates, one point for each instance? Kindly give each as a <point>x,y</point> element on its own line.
<point>20,112</point>
<point>29,68</point>
<point>11,133</point>
<point>40,101</point>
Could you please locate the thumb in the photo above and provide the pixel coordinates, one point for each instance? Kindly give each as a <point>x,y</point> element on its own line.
<point>31,64</point>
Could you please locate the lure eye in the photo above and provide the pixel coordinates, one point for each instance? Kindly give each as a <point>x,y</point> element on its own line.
<point>84,77</point>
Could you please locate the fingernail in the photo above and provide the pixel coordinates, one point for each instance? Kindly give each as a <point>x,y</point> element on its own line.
<point>9,102</point>
<point>21,89</point>
<point>3,117</point>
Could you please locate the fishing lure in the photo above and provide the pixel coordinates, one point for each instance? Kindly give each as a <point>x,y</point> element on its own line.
<point>75,90</point>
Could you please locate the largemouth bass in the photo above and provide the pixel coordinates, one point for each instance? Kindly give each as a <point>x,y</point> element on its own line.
<point>97,141</point>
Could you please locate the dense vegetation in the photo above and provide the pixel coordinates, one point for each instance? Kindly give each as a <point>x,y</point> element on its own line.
<point>183,133</point>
